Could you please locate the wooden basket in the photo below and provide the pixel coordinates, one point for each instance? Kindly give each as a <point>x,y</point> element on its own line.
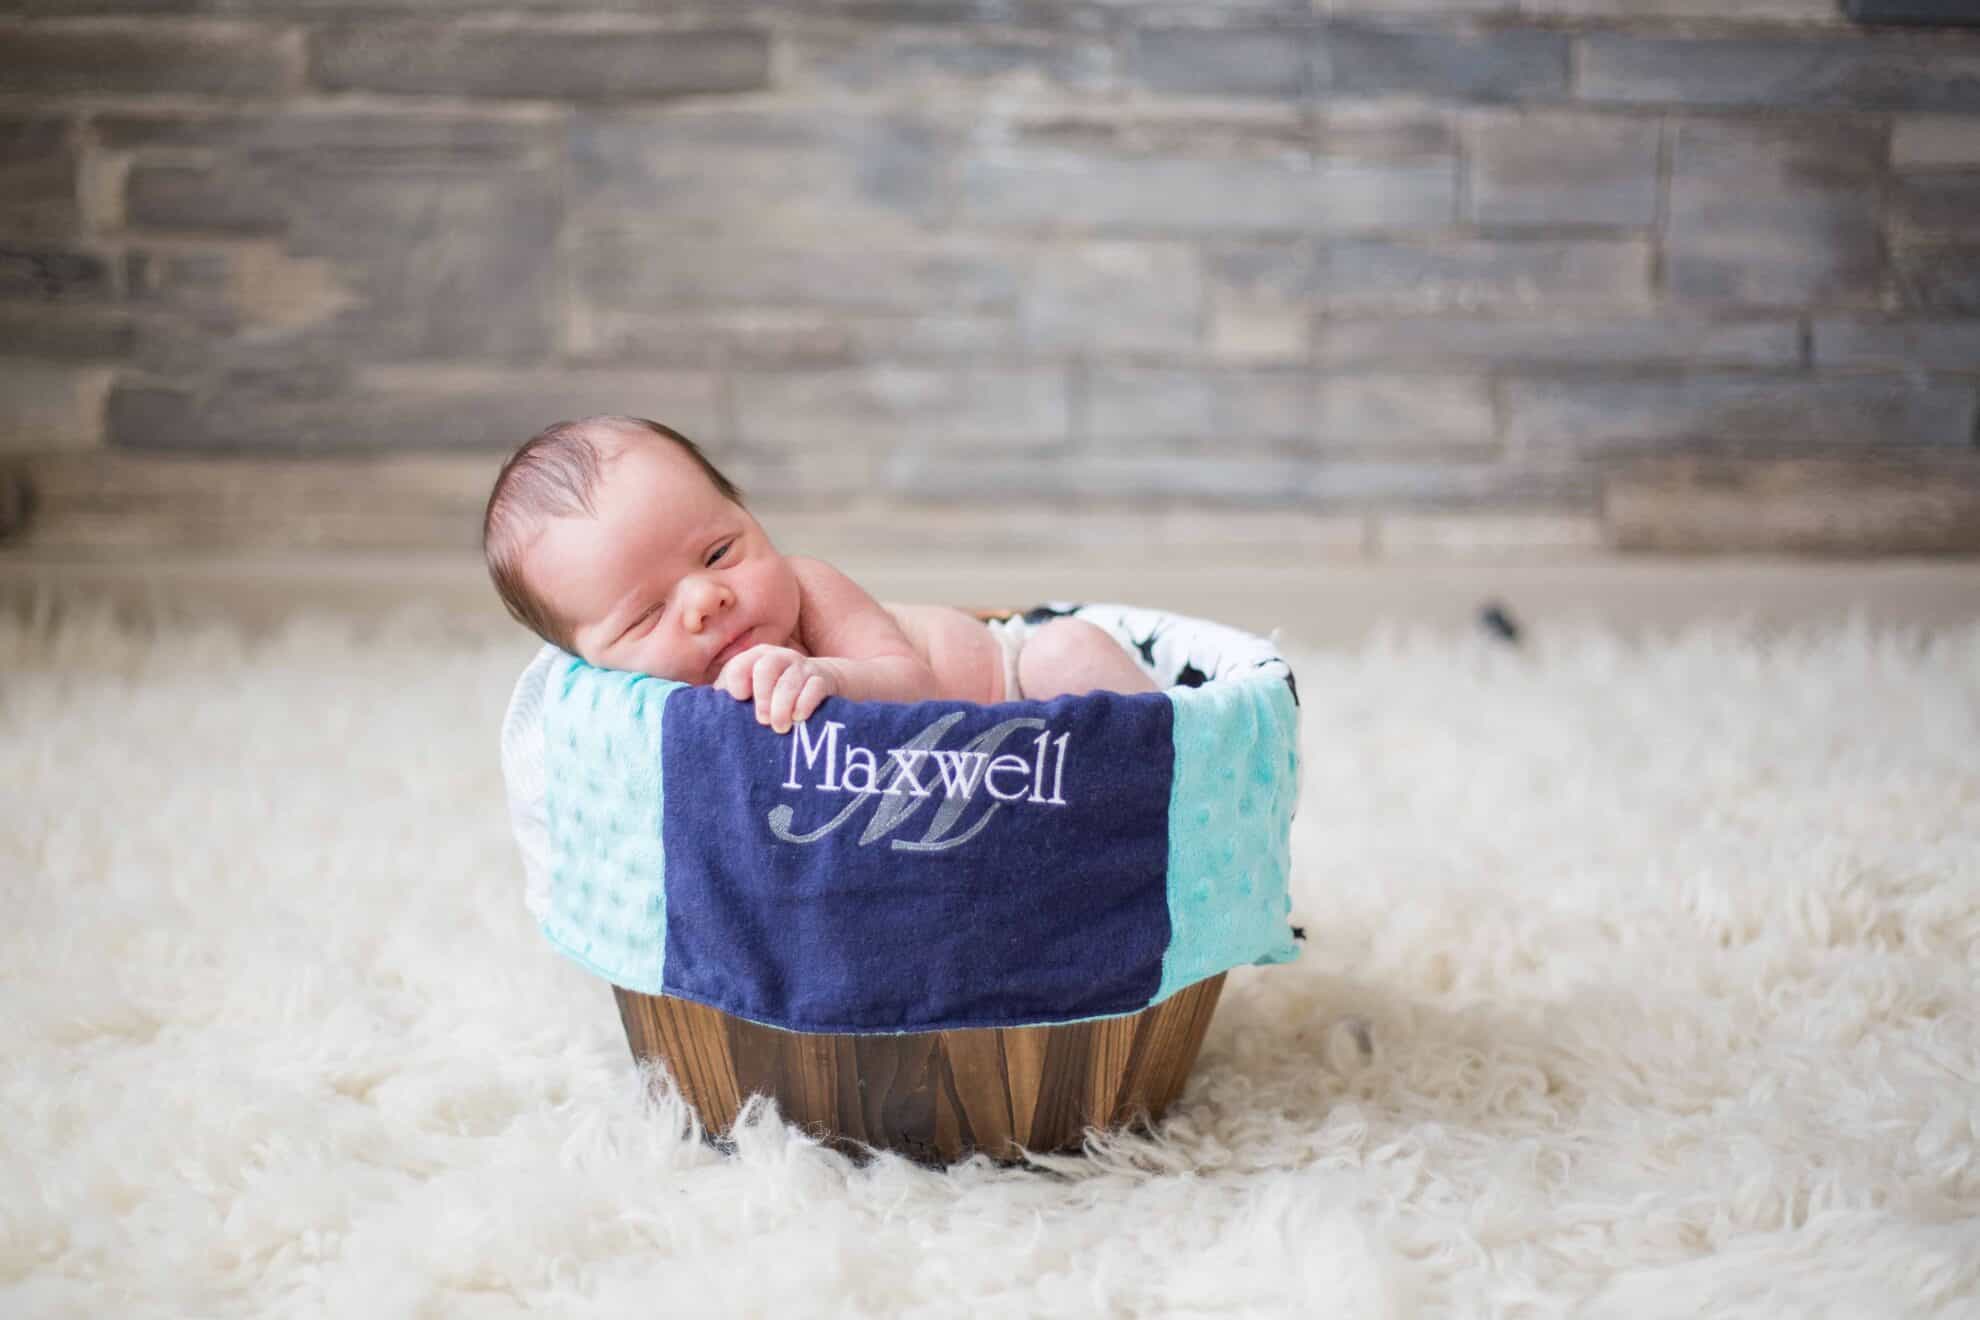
<point>935,1096</point>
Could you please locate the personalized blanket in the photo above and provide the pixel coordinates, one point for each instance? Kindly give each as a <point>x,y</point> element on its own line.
<point>891,867</point>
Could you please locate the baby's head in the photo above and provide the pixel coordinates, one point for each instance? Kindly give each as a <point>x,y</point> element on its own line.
<point>616,539</point>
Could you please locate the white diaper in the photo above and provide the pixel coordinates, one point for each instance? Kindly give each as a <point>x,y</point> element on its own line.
<point>1010,634</point>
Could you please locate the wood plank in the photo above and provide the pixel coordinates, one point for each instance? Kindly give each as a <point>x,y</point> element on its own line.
<point>688,1038</point>
<point>1887,504</point>
<point>14,503</point>
<point>1931,13</point>
<point>1107,1077</point>
<point>119,503</point>
<point>117,479</point>
<point>110,502</point>
<point>981,1088</point>
<point>1180,1039</point>
<point>1024,1050</point>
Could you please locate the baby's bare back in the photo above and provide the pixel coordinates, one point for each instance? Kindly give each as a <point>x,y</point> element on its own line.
<point>968,663</point>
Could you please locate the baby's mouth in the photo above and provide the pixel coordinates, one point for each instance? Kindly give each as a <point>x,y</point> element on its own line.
<point>729,652</point>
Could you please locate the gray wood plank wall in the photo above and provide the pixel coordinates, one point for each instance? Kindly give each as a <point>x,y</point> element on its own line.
<point>1683,275</point>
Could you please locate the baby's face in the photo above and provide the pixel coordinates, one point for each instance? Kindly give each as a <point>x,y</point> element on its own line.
<point>670,578</point>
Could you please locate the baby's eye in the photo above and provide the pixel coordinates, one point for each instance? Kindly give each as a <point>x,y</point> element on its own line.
<point>720,550</point>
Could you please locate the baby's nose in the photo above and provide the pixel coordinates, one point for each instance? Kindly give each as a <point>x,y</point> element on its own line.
<point>706,599</point>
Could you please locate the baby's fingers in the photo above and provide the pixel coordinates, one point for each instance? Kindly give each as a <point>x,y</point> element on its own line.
<point>771,669</point>
<point>738,674</point>
<point>815,691</point>
<point>784,698</point>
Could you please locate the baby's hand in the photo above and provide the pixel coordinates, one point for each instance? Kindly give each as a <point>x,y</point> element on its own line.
<point>787,686</point>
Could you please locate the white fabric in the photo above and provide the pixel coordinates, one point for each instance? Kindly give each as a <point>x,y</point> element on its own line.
<point>525,780</point>
<point>1010,635</point>
<point>1664,958</point>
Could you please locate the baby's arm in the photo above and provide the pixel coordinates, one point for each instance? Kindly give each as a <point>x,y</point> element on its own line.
<point>856,650</point>
<point>856,640</point>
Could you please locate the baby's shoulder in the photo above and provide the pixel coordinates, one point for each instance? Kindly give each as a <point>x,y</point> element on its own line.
<point>819,584</point>
<point>802,564</point>
<point>831,597</point>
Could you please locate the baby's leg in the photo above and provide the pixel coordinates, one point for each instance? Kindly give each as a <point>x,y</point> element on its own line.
<point>1073,656</point>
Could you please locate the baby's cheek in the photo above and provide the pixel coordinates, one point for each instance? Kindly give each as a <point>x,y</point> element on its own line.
<point>662,662</point>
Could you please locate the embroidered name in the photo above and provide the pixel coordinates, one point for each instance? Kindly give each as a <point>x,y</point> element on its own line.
<point>919,771</point>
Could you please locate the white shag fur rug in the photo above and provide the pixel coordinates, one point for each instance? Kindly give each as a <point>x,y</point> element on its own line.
<point>1667,953</point>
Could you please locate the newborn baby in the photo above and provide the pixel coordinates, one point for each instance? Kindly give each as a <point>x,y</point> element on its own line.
<point>617,540</point>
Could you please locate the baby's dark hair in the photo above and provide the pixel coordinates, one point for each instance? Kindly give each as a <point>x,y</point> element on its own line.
<point>554,474</point>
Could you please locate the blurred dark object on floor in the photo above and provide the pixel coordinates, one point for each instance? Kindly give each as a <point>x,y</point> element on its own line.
<point>1498,621</point>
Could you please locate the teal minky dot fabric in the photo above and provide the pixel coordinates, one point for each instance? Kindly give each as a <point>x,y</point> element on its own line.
<point>604,802</point>
<point>1230,822</point>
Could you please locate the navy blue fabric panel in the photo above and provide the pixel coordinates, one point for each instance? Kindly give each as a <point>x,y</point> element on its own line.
<point>904,867</point>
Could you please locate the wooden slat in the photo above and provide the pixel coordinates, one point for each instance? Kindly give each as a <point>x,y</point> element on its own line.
<point>1107,1064</point>
<point>14,503</point>
<point>108,502</point>
<point>1176,1039</point>
<point>1024,1050</point>
<point>1917,503</point>
<point>981,1087</point>
<point>692,1041</point>
<point>119,480</point>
